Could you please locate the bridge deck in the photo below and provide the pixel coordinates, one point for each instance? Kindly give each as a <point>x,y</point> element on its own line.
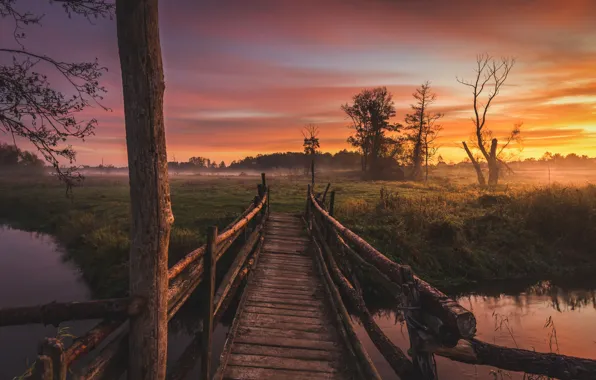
<point>284,329</point>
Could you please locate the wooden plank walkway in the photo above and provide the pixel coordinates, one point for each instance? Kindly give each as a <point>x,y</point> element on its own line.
<point>284,329</point>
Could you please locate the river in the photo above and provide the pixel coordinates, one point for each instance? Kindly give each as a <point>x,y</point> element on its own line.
<point>32,271</point>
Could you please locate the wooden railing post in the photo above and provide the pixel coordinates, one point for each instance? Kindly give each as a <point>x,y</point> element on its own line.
<point>209,273</point>
<point>312,171</point>
<point>332,202</point>
<point>43,369</point>
<point>53,348</point>
<point>424,362</point>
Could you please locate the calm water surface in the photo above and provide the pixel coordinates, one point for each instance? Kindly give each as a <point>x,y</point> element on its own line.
<point>514,316</point>
<point>32,271</point>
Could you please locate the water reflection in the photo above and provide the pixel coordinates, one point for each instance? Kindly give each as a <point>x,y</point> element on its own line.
<point>546,316</point>
<point>33,272</point>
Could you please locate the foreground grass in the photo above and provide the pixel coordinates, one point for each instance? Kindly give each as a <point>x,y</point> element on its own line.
<point>449,234</point>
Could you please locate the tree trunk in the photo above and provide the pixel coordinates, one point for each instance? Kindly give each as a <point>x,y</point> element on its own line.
<point>481,180</point>
<point>143,88</point>
<point>493,165</point>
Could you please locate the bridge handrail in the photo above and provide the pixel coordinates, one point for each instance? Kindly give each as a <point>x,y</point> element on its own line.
<point>54,359</point>
<point>425,338</point>
<point>436,302</point>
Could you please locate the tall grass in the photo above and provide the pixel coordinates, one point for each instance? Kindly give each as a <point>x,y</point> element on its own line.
<point>466,234</point>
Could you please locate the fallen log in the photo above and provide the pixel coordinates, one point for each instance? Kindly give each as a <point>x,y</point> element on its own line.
<point>432,300</point>
<point>558,366</point>
<point>54,313</point>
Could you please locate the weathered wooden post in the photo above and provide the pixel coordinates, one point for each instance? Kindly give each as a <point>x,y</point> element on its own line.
<point>263,180</point>
<point>43,369</point>
<point>53,348</point>
<point>312,171</point>
<point>332,202</point>
<point>143,87</point>
<point>307,214</point>
<point>209,278</point>
<point>424,362</point>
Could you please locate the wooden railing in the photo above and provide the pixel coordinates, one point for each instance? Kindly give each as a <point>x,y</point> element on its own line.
<point>54,361</point>
<point>436,324</point>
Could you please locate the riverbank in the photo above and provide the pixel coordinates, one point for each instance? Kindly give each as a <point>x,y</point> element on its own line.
<point>451,235</point>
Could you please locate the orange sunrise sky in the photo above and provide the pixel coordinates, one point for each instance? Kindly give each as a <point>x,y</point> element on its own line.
<point>242,77</point>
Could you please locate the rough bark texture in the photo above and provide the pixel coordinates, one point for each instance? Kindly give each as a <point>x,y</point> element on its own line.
<point>481,180</point>
<point>493,164</point>
<point>394,356</point>
<point>515,359</point>
<point>54,313</point>
<point>461,321</point>
<point>143,89</point>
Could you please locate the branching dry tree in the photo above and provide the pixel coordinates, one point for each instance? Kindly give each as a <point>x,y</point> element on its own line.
<point>421,129</point>
<point>491,76</point>
<point>429,137</point>
<point>31,108</point>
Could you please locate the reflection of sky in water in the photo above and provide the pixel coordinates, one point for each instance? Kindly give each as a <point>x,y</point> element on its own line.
<point>573,313</point>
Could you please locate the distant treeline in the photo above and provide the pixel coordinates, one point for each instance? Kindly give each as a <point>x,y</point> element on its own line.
<point>16,160</point>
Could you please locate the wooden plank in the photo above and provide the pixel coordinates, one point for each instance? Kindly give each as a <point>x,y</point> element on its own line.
<point>252,373</point>
<point>273,362</point>
<point>286,301</point>
<point>252,317</point>
<point>286,352</point>
<point>279,333</point>
<point>297,327</point>
<point>315,293</point>
<point>276,341</point>
<point>283,306</point>
<point>278,311</point>
<point>277,285</point>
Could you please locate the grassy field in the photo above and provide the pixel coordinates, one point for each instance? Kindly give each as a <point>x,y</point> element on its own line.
<point>448,230</point>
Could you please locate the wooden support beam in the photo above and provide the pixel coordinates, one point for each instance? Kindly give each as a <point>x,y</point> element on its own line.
<point>230,231</point>
<point>453,315</point>
<point>53,348</point>
<point>363,361</point>
<point>90,340</point>
<point>332,203</point>
<point>325,193</point>
<point>207,334</point>
<point>42,370</point>
<point>424,362</point>
<point>54,313</point>
<point>394,356</point>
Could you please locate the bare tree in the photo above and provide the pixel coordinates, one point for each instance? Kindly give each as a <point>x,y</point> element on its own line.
<point>143,89</point>
<point>31,108</point>
<point>421,129</point>
<point>490,75</point>
<point>429,136</point>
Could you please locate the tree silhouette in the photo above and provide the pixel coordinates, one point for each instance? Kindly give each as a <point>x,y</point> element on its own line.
<point>491,75</point>
<point>31,108</point>
<point>370,114</point>
<point>421,129</point>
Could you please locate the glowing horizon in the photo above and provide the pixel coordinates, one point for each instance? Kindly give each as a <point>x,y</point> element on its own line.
<point>242,79</point>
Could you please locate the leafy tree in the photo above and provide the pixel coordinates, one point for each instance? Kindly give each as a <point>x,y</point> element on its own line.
<point>311,139</point>
<point>421,129</point>
<point>30,107</point>
<point>222,165</point>
<point>370,114</point>
<point>201,162</point>
<point>490,75</point>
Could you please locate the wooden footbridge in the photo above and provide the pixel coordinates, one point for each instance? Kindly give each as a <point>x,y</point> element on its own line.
<point>297,282</point>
